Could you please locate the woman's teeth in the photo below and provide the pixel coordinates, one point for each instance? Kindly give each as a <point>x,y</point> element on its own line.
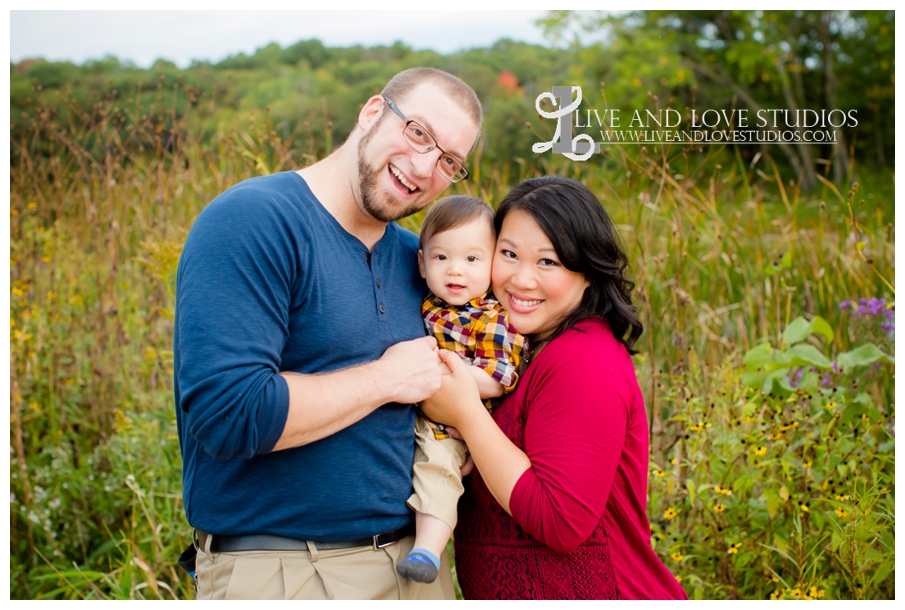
<point>522,303</point>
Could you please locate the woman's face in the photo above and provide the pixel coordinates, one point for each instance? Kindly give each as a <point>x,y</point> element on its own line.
<point>529,279</point>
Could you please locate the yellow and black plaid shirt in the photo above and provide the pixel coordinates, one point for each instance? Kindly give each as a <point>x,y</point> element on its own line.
<point>479,333</point>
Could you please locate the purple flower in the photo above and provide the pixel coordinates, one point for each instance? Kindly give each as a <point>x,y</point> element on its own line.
<point>862,309</point>
<point>844,304</point>
<point>890,314</point>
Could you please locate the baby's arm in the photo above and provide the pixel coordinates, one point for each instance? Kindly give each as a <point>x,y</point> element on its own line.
<point>487,385</point>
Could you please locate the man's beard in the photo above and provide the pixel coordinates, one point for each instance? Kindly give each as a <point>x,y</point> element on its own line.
<point>367,182</point>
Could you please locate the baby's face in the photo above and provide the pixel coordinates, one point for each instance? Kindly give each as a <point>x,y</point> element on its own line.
<point>456,263</point>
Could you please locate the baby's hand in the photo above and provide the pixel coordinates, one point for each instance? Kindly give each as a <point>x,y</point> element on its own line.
<point>452,432</point>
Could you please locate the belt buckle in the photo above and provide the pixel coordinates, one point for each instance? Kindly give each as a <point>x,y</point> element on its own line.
<point>377,545</point>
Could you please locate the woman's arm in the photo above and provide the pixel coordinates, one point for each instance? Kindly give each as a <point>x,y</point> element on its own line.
<point>458,404</point>
<point>574,437</point>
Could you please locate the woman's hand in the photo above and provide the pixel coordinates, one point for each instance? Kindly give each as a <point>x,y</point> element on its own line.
<point>458,396</point>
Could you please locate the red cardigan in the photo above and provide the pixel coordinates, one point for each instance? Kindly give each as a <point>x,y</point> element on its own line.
<point>579,527</point>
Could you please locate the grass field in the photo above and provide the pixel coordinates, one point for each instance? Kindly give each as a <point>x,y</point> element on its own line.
<point>772,470</point>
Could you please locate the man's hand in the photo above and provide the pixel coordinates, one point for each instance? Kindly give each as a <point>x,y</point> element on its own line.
<point>414,367</point>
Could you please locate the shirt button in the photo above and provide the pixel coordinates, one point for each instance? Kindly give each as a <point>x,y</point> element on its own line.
<point>378,282</point>
<point>382,308</point>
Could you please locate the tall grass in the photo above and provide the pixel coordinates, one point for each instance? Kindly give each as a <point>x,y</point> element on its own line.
<point>725,255</point>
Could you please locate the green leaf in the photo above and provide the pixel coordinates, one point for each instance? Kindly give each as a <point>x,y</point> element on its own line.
<point>862,356</point>
<point>690,486</point>
<point>761,354</point>
<point>786,261</point>
<point>808,355</point>
<point>800,329</point>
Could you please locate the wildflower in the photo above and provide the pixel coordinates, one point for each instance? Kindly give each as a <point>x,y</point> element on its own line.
<point>760,451</point>
<point>796,593</point>
<point>45,259</point>
<point>658,473</point>
<point>17,291</point>
<point>51,295</point>
<point>677,556</point>
<point>725,492</point>
<point>804,507</point>
<point>719,507</point>
<point>70,381</point>
<point>13,212</point>
<point>806,463</point>
<point>33,406</point>
<point>697,427</point>
<point>776,437</point>
<point>840,513</point>
<point>794,424</point>
<point>32,205</point>
<point>865,417</point>
<point>844,304</point>
<point>773,578</point>
<point>816,593</point>
<point>830,406</point>
<point>150,353</point>
<point>776,594</point>
<point>678,578</point>
<point>842,498</point>
<point>669,513</point>
<point>733,548</point>
<point>673,461</point>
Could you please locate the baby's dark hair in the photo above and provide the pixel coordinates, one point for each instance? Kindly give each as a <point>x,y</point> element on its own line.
<point>452,212</point>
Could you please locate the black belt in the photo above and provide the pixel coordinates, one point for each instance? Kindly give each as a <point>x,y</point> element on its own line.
<point>263,542</point>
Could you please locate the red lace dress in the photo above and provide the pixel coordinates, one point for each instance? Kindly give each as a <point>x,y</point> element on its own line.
<point>579,528</point>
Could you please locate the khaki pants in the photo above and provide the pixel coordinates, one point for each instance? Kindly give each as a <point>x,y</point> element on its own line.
<point>436,474</point>
<point>359,573</point>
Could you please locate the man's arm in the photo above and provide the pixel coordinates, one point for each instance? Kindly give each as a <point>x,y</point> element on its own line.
<point>321,405</point>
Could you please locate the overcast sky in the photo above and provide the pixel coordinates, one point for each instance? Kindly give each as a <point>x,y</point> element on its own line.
<point>181,36</point>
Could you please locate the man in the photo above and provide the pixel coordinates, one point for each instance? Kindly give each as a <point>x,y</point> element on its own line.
<point>299,349</point>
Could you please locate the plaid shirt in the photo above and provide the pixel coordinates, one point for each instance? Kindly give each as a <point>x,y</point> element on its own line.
<point>479,333</point>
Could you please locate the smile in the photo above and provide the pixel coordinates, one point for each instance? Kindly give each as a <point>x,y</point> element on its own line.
<point>523,306</point>
<point>402,179</point>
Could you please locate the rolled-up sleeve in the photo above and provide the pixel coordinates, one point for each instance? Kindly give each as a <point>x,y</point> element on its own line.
<point>233,295</point>
<point>574,436</point>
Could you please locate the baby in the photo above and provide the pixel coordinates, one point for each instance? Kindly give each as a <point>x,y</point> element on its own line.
<point>456,250</point>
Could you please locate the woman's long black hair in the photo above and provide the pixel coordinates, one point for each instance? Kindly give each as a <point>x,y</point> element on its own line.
<point>586,241</point>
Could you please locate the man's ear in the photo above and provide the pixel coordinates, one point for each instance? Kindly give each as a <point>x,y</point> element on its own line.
<point>372,109</point>
<point>421,263</point>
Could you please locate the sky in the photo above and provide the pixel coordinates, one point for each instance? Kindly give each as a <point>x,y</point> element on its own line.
<point>182,36</point>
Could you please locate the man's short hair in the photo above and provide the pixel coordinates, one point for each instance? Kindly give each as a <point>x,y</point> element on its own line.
<point>455,87</point>
<point>452,212</point>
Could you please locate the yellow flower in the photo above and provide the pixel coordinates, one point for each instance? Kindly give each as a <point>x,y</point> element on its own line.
<point>773,578</point>
<point>677,556</point>
<point>807,463</point>
<point>776,437</point>
<point>70,381</point>
<point>678,578</point>
<point>669,513</point>
<point>51,295</point>
<point>658,473</point>
<point>697,427</point>
<point>796,593</point>
<point>673,461</point>
<point>864,417</point>
<point>804,507</point>
<point>17,291</point>
<point>840,513</point>
<point>816,593</point>
<point>32,205</point>
<point>725,492</point>
<point>733,548</point>
<point>842,498</point>
<point>719,507</point>
<point>13,211</point>
<point>33,406</point>
<point>830,406</point>
<point>45,259</point>
<point>760,451</point>
<point>775,594</point>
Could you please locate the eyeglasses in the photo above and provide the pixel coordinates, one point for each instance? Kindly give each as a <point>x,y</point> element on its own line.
<point>423,142</point>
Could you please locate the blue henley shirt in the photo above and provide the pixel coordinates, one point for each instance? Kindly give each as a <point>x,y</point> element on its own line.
<point>269,281</point>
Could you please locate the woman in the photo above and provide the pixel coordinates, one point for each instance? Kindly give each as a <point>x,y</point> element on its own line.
<point>556,508</point>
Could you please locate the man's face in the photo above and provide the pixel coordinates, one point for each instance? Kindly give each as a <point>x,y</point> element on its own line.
<point>394,179</point>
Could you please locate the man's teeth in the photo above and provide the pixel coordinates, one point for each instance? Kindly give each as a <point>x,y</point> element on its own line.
<point>522,303</point>
<point>411,187</point>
